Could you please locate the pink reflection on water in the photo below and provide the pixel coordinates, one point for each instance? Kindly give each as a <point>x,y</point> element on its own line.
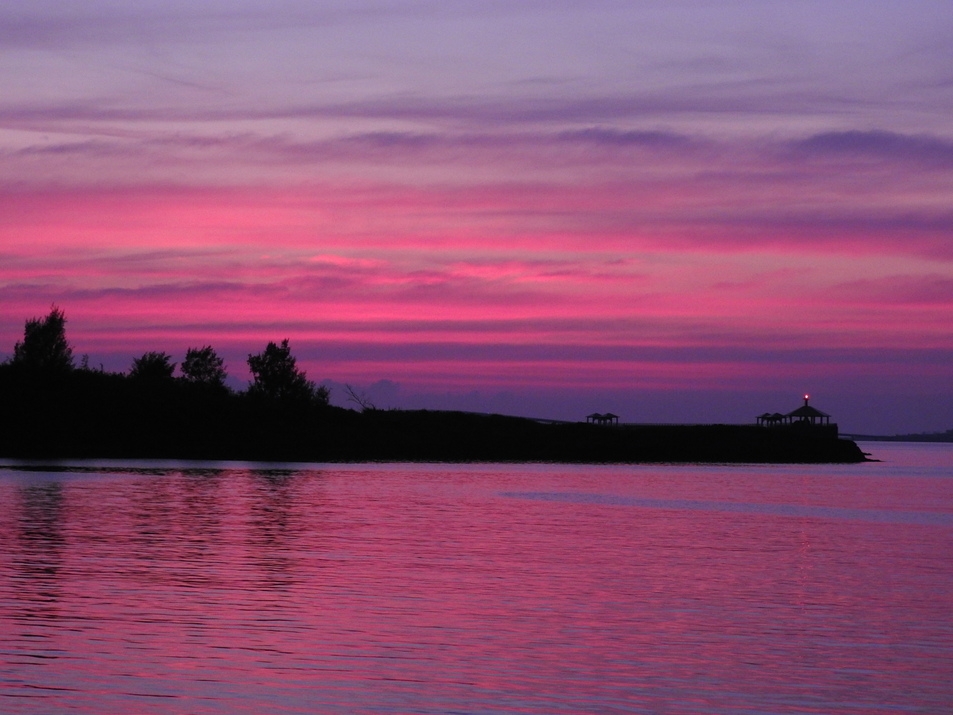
<point>436,588</point>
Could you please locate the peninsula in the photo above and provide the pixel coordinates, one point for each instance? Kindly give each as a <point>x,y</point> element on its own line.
<point>50,409</point>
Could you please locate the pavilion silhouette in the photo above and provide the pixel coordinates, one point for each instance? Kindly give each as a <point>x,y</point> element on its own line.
<point>603,419</point>
<point>804,416</point>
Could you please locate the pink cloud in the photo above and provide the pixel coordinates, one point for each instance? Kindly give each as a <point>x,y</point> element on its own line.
<point>283,256</point>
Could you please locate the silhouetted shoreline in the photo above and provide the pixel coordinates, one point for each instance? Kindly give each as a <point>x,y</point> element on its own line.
<point>50,409</point>
<point>90,414</point>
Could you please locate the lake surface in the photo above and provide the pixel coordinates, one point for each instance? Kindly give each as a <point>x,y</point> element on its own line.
<point>233,588</point>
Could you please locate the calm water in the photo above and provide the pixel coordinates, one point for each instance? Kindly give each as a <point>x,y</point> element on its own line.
<point>225,588</point>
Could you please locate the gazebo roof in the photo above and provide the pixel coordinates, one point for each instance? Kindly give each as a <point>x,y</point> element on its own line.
<point>807,411</point>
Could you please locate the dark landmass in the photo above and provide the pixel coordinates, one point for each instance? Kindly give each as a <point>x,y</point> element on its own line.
<point>91,414</point>
<point>49,409</point>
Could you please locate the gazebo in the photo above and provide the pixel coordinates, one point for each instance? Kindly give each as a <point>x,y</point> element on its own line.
<point>807,415</point>
<point>602,419</point>
<point>805,418</point>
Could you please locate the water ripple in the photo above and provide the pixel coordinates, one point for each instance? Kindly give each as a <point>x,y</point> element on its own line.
<point>221,588</point>
<point>886,516</point>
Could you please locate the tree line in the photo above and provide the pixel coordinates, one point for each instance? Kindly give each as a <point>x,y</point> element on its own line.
<point>52,407</point>
<point>45,350</point>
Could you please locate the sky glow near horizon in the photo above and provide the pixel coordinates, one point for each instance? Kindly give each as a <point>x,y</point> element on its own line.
<point>673,211</point>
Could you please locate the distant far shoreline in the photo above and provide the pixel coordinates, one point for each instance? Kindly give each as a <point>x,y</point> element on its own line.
<point>920,437</point>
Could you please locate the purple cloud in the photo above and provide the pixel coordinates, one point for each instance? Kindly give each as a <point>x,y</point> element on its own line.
<point>882,145</point>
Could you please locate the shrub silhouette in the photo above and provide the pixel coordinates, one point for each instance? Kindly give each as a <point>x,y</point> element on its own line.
<point>202,366</point>
<point>276,376</point>
<point>44,346</point>
<point>152,367</point>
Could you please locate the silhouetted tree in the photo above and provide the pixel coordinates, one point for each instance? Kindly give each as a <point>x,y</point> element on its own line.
<point>202,366</point>
<point>276,375</point>
<point>44,345</point>
<point>152,367</point>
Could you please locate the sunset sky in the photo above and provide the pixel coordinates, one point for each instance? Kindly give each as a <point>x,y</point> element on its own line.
<point>674,211</point>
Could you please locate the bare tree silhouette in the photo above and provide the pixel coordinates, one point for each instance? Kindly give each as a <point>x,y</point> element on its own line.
<point>359,398</point>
